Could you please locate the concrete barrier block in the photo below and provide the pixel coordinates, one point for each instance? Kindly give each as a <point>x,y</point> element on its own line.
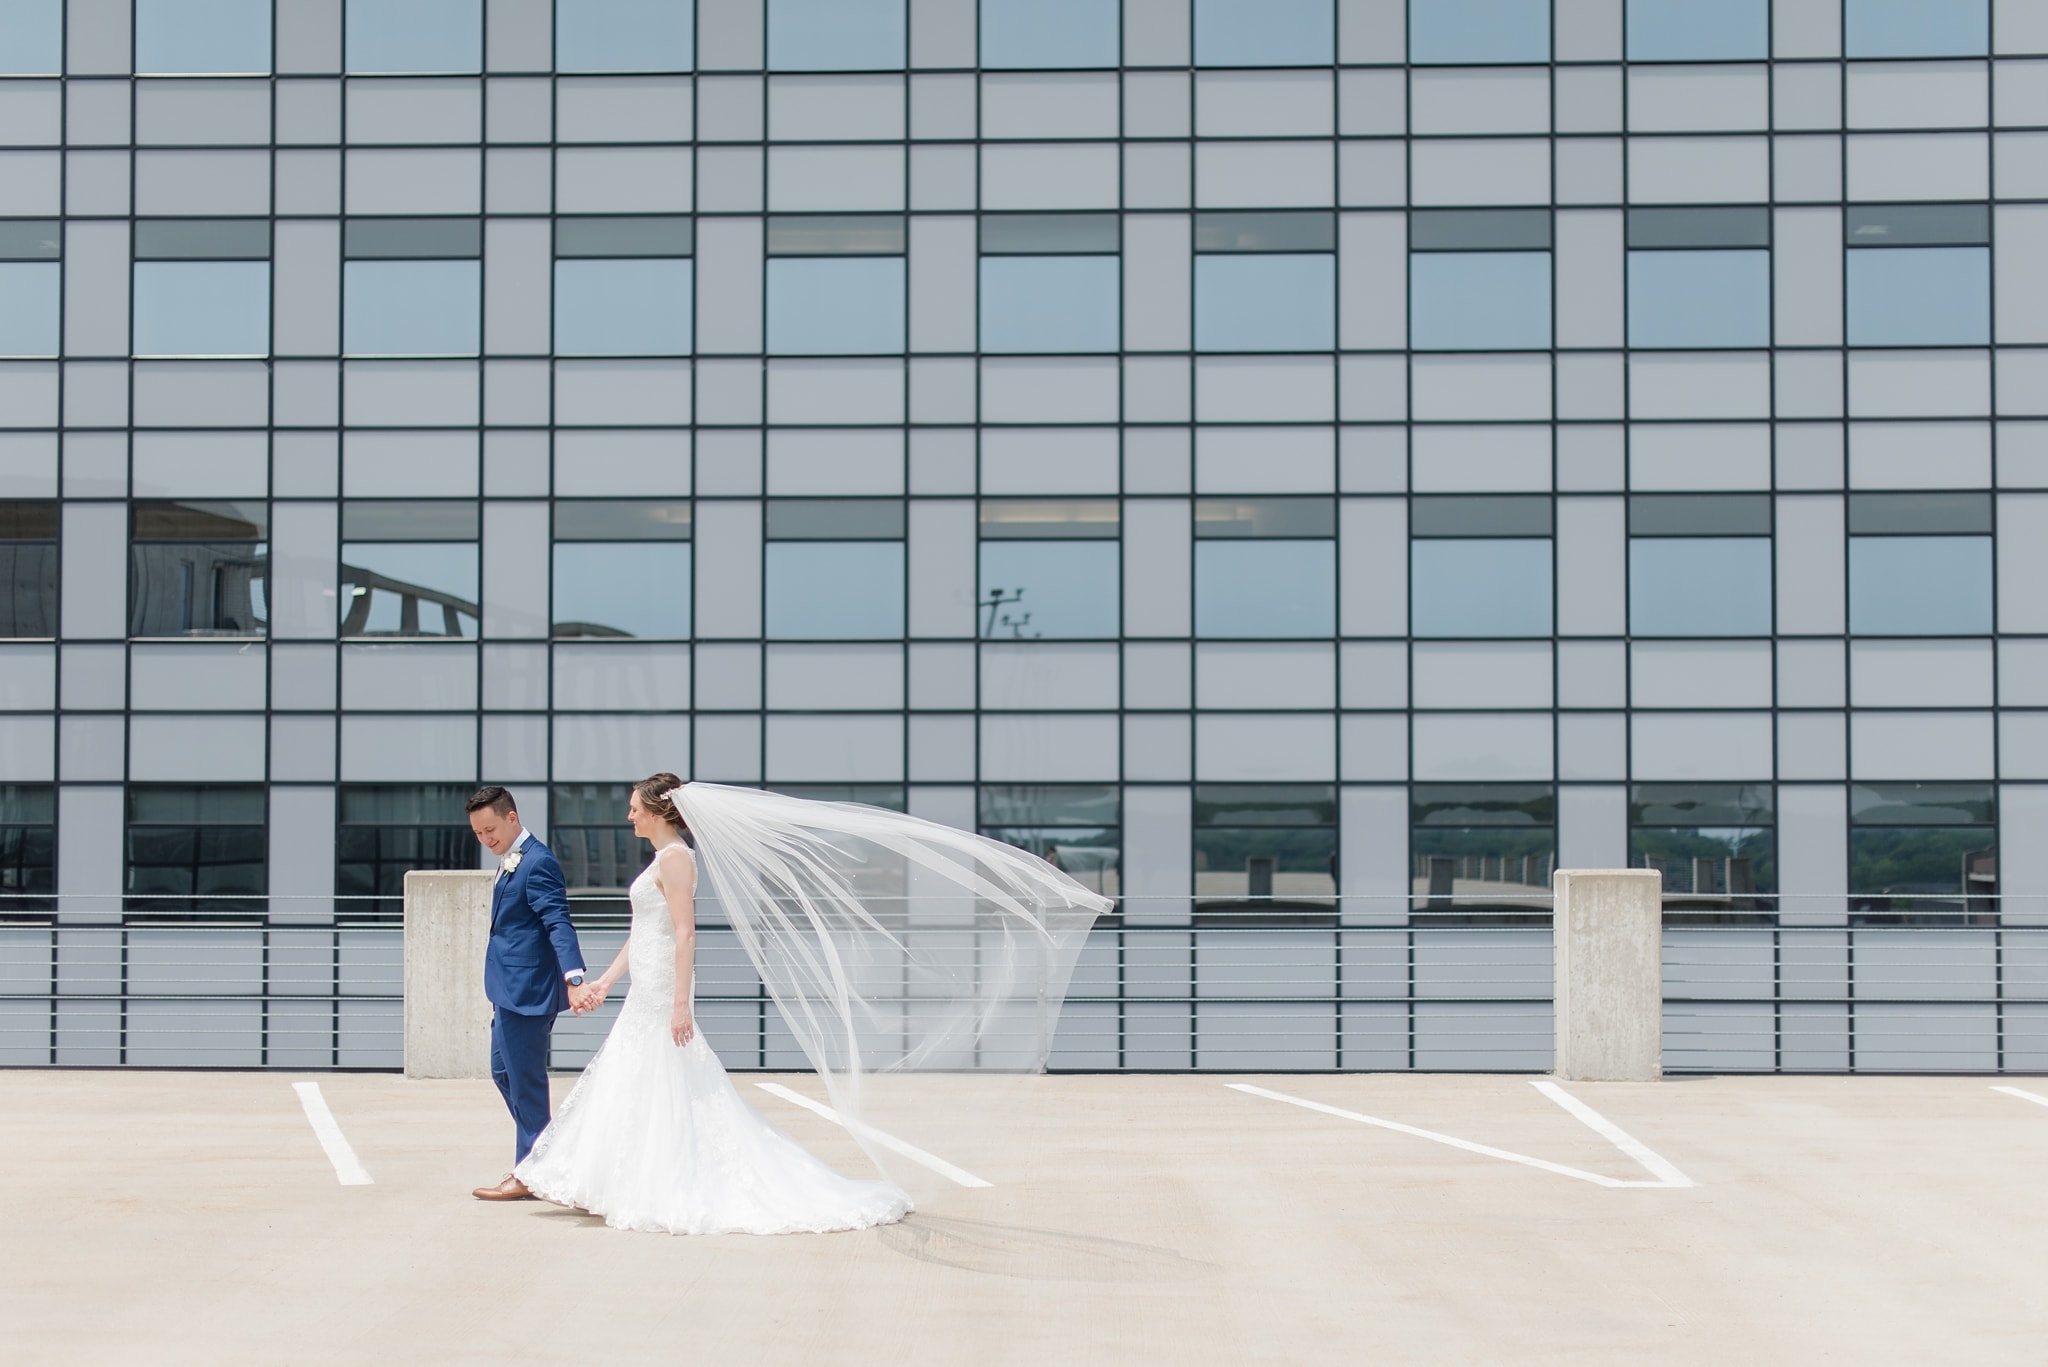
<point>447,1016</point>
<point>1609,931</point>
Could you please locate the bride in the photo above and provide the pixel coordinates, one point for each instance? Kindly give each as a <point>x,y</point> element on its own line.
<point>654,1136</point>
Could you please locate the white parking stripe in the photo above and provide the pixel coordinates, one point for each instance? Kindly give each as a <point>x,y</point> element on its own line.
<point>1599,1124</point>
<point>2034,1097</point>
<point>347,1168</point>
<point>887,1141</point>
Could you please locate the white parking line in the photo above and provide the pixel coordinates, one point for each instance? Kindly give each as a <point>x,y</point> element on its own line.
<point>1660,1166</point>
<point>1668,1174</point>
<point>887,1141</point>
<point>347,1168</point>
<point>2034,1097</point>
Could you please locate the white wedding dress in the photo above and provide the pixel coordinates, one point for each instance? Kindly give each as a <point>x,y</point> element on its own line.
<point>656,1138</point>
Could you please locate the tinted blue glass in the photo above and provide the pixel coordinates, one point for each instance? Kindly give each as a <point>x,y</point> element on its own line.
<point>32,37</point>
<point>1480,587</point>
<point>202,308</point>
<point>1069,588</point>
<point>1048,33</point>
<point>415,35</point>
<point>1690,31</point>
<point>410,308</point>
<point>411,586</point>
<point>1264,32</point>
<point>1699,586</point>
<point>221,36</point>
<point>835,306</point>
<point>622,307</point>
<point>835,590</point>
<point>1699,299</point>
<point>624,35</point>
<point>835,35</point>
<point>29,291</point>
<point>635,588</point>
<point>1049,303</point>
<point>1920,585</point>
<point>1256,302</point>
<point>1265,588</point>
<point>1919,296</point>
<point>1916,28</point>
<point>1458,32</point>
<point>1479,301</point>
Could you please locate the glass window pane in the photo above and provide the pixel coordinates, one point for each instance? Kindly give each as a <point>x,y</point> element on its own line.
<point>1479,301</point>
<point>1920,585</point>
<point>1049,303</point>
<point>1265,303</point>
<point>1461,32</point>
<point>835,519</point>
<point>1919,296</point>
<point>1264,32</point>
<point>1478,230</point>
<point>1916,28</point>
<point>836,235</point>
<point>1916,225</point>
<point>664,235</point>
<point>1699,586</point>
<point>202,308</point>
<point>1920,512</point>
<point>218,37</point>
<point>1699,515</point>
<point>1699,227</point>
<point>1688,31</point>
<point>415,35</point>
<point>835,307</point>
<point>28,570</point>
<point>31,37</point>
<point>1050,234</point>
<point>1699,299</point>
<point>623,520</point>
<point>1481,588</point>
<point>198,569</point>
<point>1053,589</point>
<point>411,308</point>
<point>419,239</point>
<point>622,307</point>
<point>409,588</point>
<point>1040,34</point>
<point>1921,804</point>
<point>1265,588</point>
<point>29,291</point>
<point>835,590</point>
<point>1265,517</point>
<point>635,588</point>
<point>835,35</point>
<point>624,35</point>
<point>203,239</point>
<point>1488,515</point>
<point>1896,871</point>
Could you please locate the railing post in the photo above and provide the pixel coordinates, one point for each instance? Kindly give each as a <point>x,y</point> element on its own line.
<point>447,1017</point>
<point>1608,927</point>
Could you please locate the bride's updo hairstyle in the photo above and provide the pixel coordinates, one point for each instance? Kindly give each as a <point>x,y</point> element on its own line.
<point>653,793</point>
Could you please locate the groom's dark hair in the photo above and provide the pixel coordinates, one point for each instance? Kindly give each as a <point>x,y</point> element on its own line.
<point>491,795</point>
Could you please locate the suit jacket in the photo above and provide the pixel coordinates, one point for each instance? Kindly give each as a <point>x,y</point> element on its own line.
<point>533,945</point>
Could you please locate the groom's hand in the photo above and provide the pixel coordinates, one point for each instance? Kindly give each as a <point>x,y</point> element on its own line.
<point>587,998</point>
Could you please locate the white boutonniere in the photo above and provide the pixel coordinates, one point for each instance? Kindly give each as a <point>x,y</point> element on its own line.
<point>511,862</point>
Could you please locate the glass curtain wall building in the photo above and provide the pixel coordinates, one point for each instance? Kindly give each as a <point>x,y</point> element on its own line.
<point>1335,460</point>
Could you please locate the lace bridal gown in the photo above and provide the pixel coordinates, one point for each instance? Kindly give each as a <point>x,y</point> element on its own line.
<point>656,1138</point>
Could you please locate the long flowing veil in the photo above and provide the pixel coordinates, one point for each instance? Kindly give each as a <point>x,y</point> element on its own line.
<point>889,944</point>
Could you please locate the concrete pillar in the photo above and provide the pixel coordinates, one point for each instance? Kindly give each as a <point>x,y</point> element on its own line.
<point>447,1017</point>
<point>1608,926</point>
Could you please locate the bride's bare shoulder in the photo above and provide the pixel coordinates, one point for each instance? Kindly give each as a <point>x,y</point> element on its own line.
<point>676,861</point>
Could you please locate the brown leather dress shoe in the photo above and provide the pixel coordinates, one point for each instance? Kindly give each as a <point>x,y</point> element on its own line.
<point>511,1189</point>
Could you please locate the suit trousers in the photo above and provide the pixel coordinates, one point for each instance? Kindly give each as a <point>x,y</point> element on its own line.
<point>519,1065</point>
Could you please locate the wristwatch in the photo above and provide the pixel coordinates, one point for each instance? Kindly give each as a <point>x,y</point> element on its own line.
<point>576,979</point>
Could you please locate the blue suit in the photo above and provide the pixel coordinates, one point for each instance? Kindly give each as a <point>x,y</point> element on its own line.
<point>533,947</point>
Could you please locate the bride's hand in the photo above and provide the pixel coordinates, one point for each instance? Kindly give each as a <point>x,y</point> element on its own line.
<point>681,1028</point>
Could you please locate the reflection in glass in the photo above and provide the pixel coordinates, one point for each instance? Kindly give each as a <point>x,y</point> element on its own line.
<point>1478,32</point>
<point>1266,852</point>
<point>199,569</point>
<point>29,294</point>
<point>414,35</point>
<point>1923,852</point>
<point>1482,851</point>
<point>411,308</point>
<point>1048,34</point>
<point>1265,302</point>
<point>1687,31</point>
<point>1919,296</point>
<point>1915,28</point>
<point>624,35</point>
<point>194,849</point>
<point>1061,590</point>
<point>599,853</point>
<point>1049,303</point>
<point>386,829</point>
<point>1920,585</point>
<point>638,589</point>
<point>1699,586</point>
<point>28,569</point>
<point>844,306</point>
<point>623,307</point>
<point>409,588</point>
<point>835,35</point>
<point>191,37</point>
<point>1479,301</point>
<point>1481,587</point>
<point>1263,33</point>
<point>835,590</point>
<point>1252,589</point>
<point>31,37</point>
<point>202,308</point>
<point>1074,827</point>
<point>1699,299</point>
<point>1714,843</point>
<point>28,851</point>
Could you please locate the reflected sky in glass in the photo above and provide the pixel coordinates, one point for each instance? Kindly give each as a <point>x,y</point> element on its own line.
<point>1479,301</point>
<point>29,294</point>
<point>1070,587</point>
<point>1041,34</point>
<point>1699,299</point>
<point>1920,585</point>
<point>835,590</point>
<point>1916,28</point>
<point>415,35</point>
<point>1919,296</point>
<point>835,35</point>
<point>835,306</point>
<point>1481,587</point>
<point>1699,586</point>
<point>1693,31</point>
<point>1265,588</point>
<point>443,568</point>
<point>1264,33</point>
<point>1049,303</point>
<point>1256,302</point>
<point>615,307</point>
<point>31,37</point>
<point>1455,32</point>
<point>634,588</point>
<point>202,308</point>
<point>410,308</point>
<point>624,35</point>
<point>210,36</point>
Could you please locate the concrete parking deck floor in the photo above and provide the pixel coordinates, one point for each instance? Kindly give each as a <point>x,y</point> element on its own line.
<point>193,1217</point>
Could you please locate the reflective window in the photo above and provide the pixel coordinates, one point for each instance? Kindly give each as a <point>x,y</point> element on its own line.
<point>1688,31</point>
<point>202,308</point>
<point>409,569</point>
<point>414,35</point>
<point>1699,586</point>
<point>1715,844</point>
<point>600,855</point>
<point>835,569</point>
<point>845,306</point>
<point>1041,34</point>
<point>1050,303</point>
<point>1475,32</point>
<point>1919,296</point>
<point>32,37</point>
<point>28,569</point>
<point>30,292</point>
<point>1916,28</point>
<point>1076,828</point>
<point>1265,302</point>
<point>835,35</point>
<point>1482,850</point>
<point>1265,852</point>
<point>386,829</point>
<point>624,35</point>
<point>1264,33</point>
<point>411,308</point>
<point>199,569</point>
<point>1920,585</point>
<point>1265,567</point>
<point>622,569</point>
<point>622,308</point>
<point>186,37</point>
<point>1049,568</point>
<point>1699,298</point>
<point>1479,301</point>
<point>1480,566</point>
<point>28,851</point>
<point>193,849</point>
<point>1923,852</point>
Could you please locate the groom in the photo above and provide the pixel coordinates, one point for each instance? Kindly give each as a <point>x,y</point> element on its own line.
<point>531,963</point>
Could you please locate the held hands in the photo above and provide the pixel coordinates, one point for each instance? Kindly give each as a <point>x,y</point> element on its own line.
<point>587,998</point>
<point>680,1027</point>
